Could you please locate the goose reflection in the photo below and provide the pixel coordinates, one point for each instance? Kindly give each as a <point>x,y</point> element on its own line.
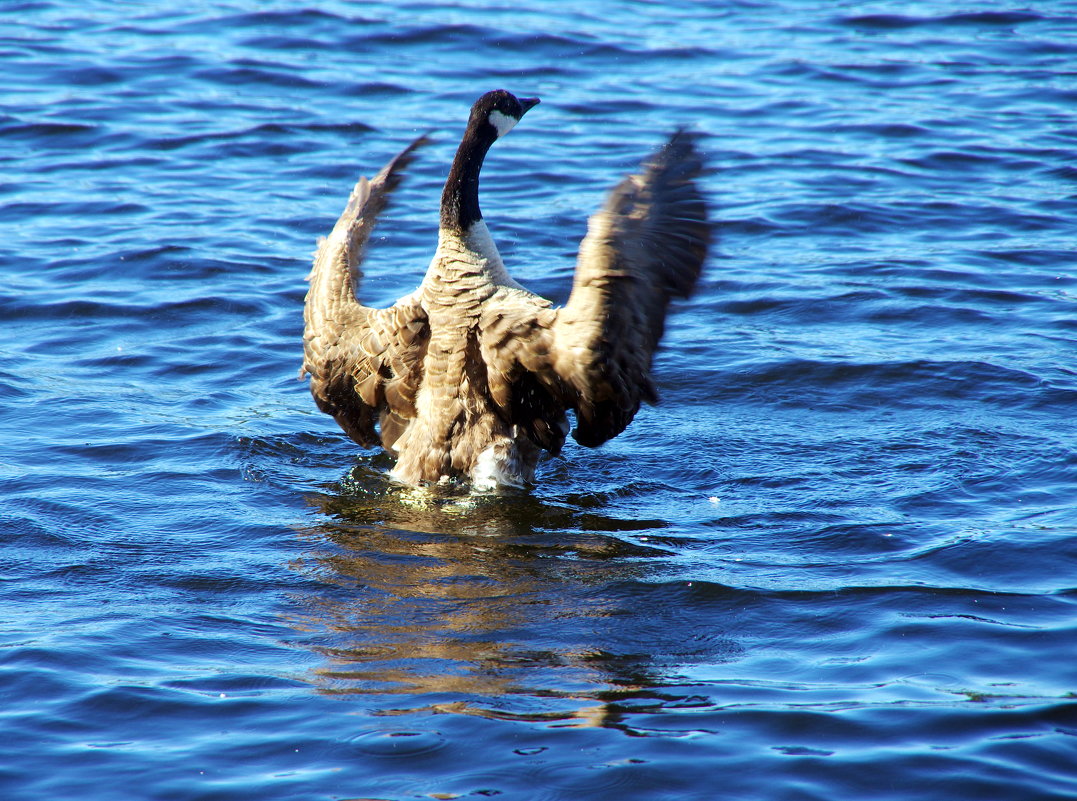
<point>458,600</point>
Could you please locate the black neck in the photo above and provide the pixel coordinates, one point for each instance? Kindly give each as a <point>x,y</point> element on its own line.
<point>460,198</point>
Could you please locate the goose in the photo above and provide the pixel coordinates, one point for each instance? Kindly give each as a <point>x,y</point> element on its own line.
<point>470,377</point>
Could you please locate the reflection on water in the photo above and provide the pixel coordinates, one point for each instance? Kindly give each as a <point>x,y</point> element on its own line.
<point>464,600</point>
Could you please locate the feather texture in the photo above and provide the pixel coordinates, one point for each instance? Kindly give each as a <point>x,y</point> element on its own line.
<point>472,375</point>
<point>364,364</point>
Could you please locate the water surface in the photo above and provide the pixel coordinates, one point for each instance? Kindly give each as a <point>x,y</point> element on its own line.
<point>836,562</point>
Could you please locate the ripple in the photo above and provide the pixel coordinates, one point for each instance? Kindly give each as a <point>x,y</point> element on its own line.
<point>398,743</point>
<point>866,385</point>
<point>978,19</point>
<point>850,517</point>
<point>45,133</point>
<point>255,74</point>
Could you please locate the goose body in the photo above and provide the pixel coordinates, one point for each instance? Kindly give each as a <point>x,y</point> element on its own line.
<point>471,375</point>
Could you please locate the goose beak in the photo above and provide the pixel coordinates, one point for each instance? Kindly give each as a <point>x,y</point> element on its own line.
<point>528,103</point>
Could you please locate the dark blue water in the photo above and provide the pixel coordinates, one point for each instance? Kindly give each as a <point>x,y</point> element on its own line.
<point>839,561</point>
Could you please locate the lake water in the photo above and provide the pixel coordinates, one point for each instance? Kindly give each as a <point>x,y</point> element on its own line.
<point>838,561</point>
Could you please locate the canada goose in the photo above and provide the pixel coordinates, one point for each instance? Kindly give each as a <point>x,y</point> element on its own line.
<point>471,375</point>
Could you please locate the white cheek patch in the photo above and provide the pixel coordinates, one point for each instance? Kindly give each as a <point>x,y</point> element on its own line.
<point>502,122</point>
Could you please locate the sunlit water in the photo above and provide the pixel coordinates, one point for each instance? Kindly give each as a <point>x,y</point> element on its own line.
<point>838,561</point>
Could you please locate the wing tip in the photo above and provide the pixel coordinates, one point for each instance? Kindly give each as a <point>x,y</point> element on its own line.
<point>391,173</point>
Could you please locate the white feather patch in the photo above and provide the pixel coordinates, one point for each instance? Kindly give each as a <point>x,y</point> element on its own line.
<point>497,466</point>
<point>502,122</point>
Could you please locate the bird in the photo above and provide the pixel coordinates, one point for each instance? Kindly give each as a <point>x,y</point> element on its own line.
<point>470,377</point>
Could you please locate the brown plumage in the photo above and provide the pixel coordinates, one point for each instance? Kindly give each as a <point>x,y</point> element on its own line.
<point>472,375</point>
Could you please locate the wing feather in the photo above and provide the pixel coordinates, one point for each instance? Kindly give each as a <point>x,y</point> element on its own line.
<point>646,246</point>
<point>364,363</point>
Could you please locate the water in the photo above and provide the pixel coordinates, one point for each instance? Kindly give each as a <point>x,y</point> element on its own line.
<point>837,562</point>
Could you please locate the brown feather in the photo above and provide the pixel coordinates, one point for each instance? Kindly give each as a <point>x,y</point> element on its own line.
<point>473,367</point>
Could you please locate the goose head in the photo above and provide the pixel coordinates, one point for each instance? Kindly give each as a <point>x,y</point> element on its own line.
<point>500,110</point>
<point>492,116</point>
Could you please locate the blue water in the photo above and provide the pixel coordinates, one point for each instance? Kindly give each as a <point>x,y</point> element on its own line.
<point>838,561</point>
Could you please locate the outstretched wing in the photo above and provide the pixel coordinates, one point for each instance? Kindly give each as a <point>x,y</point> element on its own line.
<point>364,363</point>
<point>644,247</point>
